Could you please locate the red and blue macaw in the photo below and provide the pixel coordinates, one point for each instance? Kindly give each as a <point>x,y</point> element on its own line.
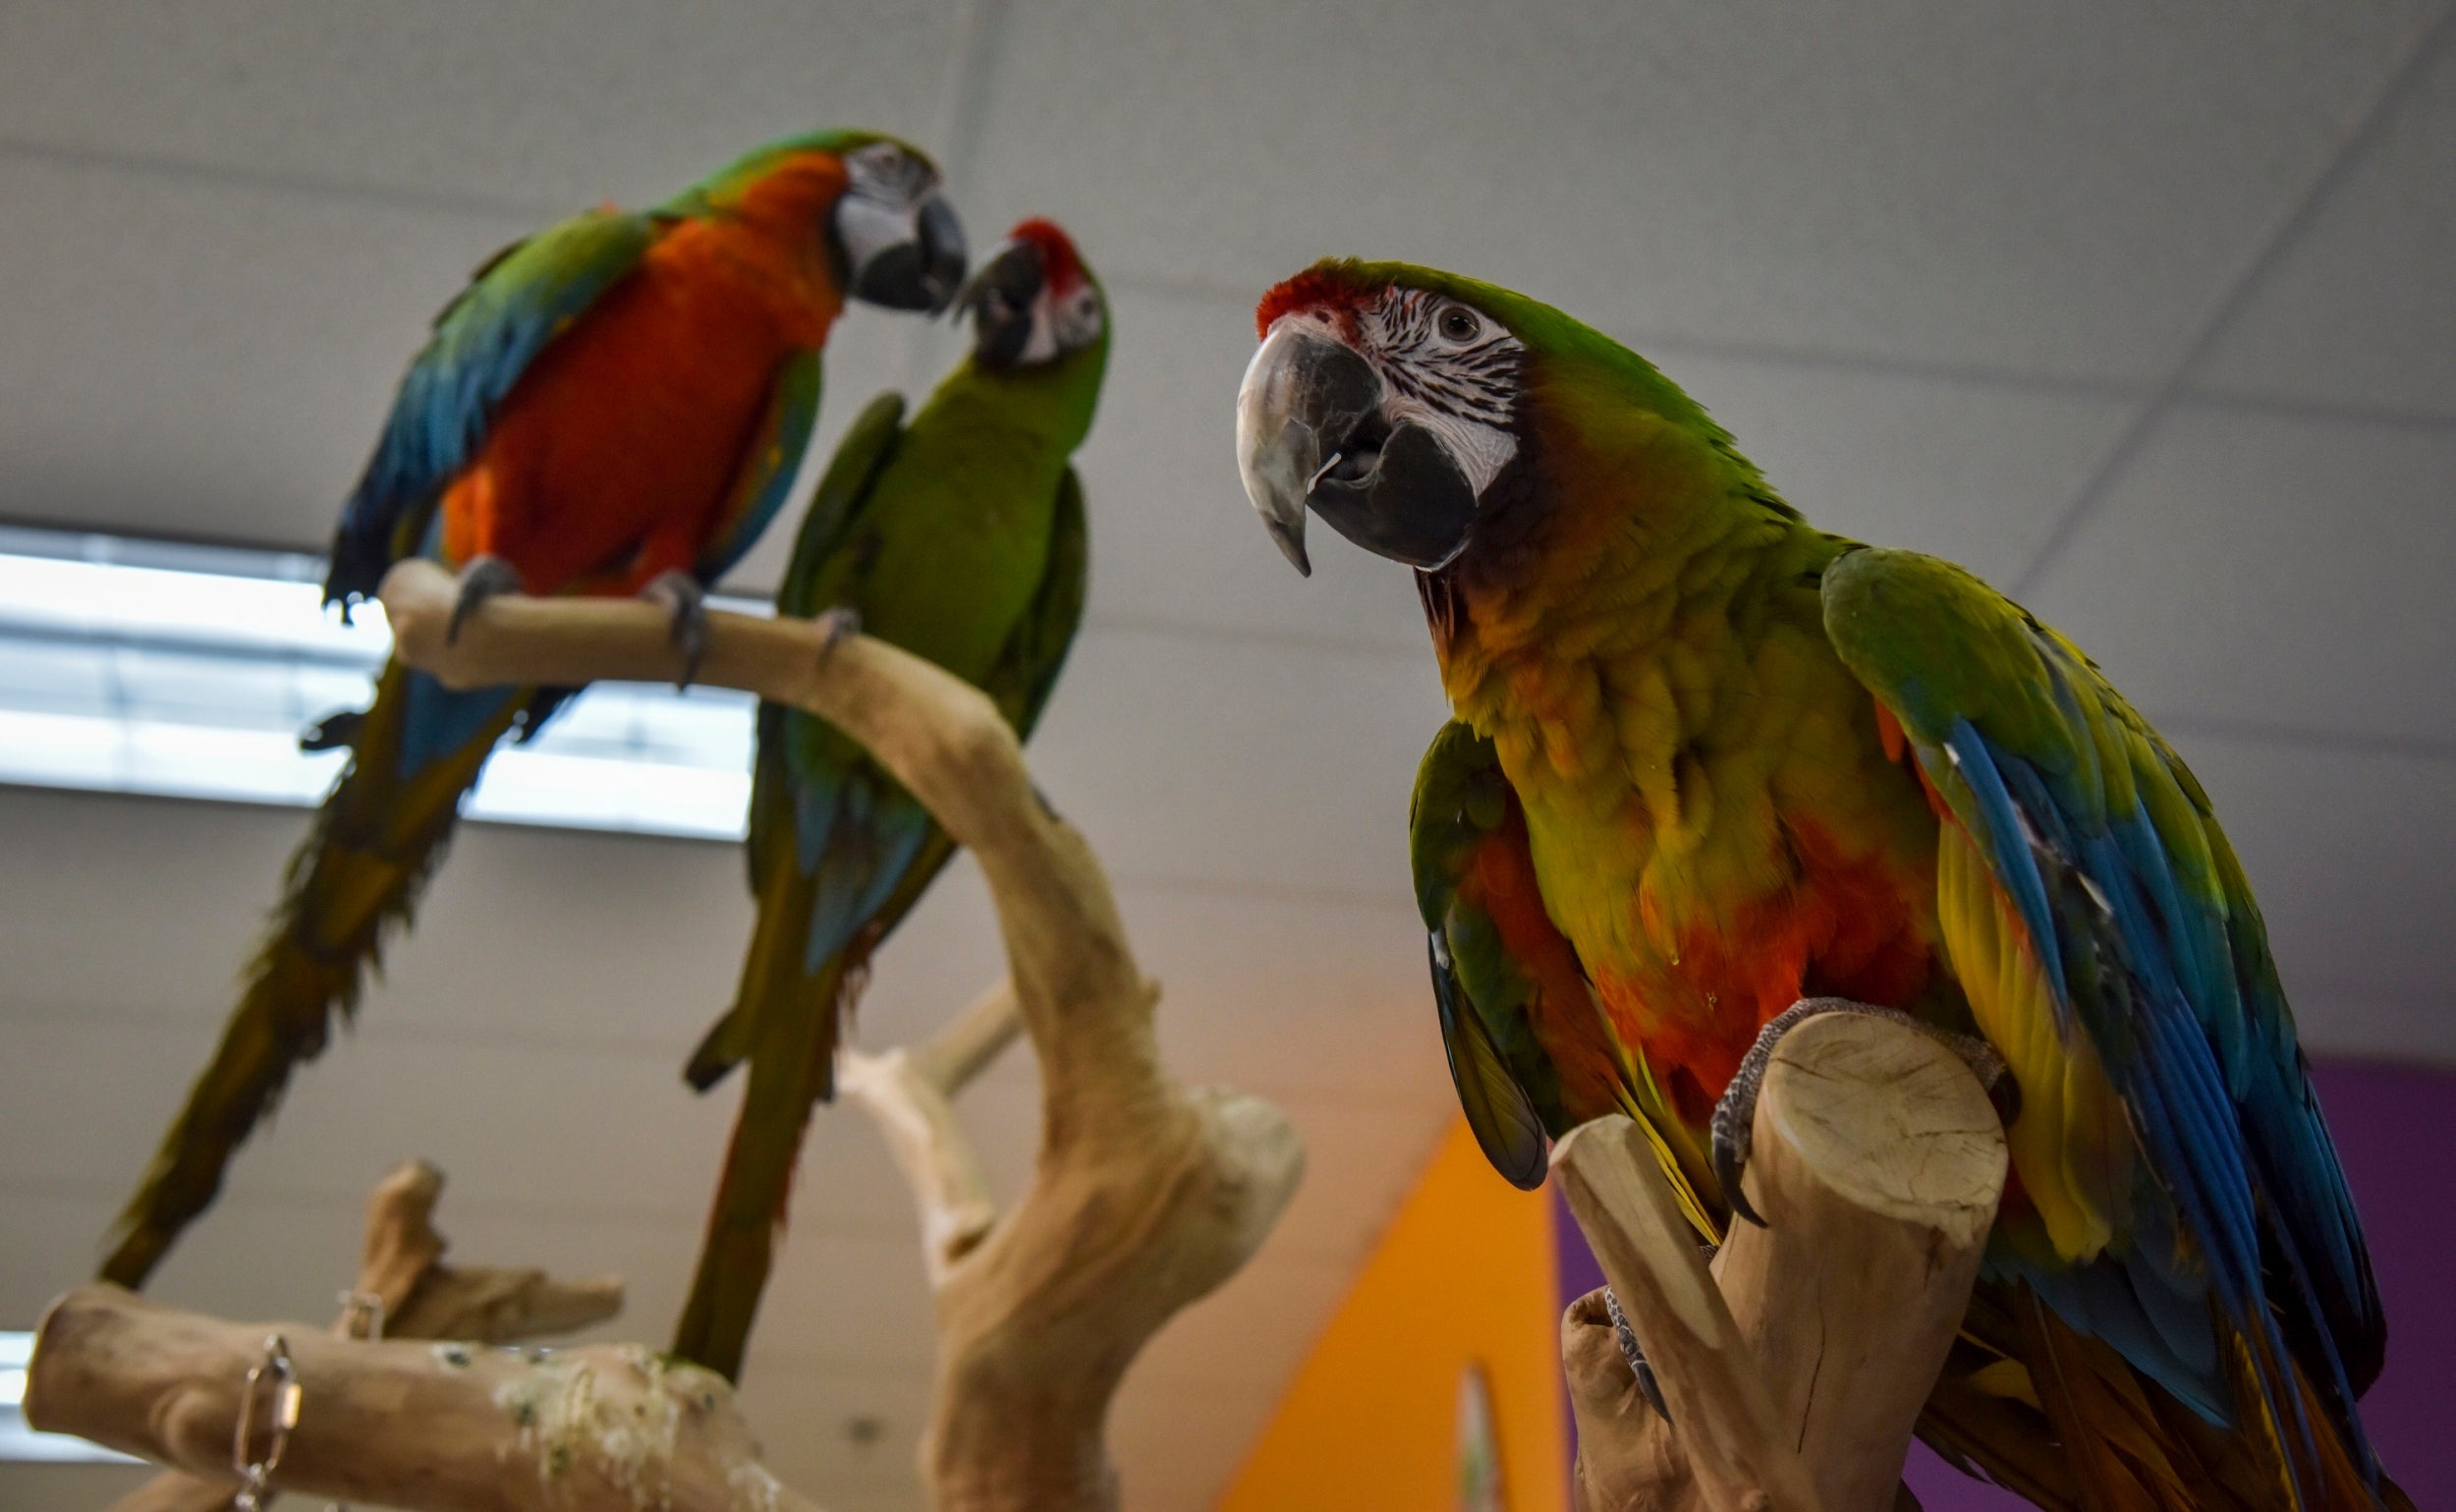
<point>1708,761</point>
<point>615,406</point>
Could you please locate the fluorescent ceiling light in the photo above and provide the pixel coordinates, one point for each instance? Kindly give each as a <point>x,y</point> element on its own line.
<point>138,666</point>
<point>20,1442</point>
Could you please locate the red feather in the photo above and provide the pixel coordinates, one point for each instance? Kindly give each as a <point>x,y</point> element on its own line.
<point>1327,285</point>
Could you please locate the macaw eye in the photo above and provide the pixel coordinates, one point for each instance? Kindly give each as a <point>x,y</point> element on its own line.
<point>1458,323</point>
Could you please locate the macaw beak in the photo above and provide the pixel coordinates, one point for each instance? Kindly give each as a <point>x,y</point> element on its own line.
<point>900,254</point>
<point>1003,299</point>
<point>1311,434</point>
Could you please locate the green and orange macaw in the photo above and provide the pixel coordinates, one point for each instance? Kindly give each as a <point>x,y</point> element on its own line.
<point>614,406</point>
<point>959,537</point>
<point>1708,761</point>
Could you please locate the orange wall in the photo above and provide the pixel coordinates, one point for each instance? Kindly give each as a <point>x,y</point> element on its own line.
<point>1465,1273</point>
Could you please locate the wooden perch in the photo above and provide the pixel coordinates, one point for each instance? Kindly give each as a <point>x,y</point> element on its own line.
<point>1795,1366</point>
<point>435,1426</point>
<point>1145,1194</point>
<point>421,1298</point>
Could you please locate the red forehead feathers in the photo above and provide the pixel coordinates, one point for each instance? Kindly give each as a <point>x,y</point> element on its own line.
<point>1061,266</point>
<point>1323,286</point>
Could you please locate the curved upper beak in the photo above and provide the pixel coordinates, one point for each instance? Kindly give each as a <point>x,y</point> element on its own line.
<point>1312,433</point>
<point>899,253</point>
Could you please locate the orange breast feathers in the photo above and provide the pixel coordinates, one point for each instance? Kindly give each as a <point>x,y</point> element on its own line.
<point>615,455</point>
<point>1850,926</point>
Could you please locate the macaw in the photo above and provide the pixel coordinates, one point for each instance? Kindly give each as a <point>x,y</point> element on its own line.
<point>615,406</point>
<point>1708,761</point>
<point>957,537</point>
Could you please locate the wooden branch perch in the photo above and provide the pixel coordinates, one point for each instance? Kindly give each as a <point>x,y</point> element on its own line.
<point>1145,1195</point>
<point>421,1298</point>
<point>910,1093</point>
<point>404,1424</point>
<point>1794,1366</point>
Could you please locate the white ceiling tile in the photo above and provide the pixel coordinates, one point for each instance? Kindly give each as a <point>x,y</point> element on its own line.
<point>2061,191</point>
<point>2273,571</point>
<point>230,390</point>
<point>1220,760</point>
<point>2347,850</point>
<point>1976,473</point>
<point>1359,1165</point>
<point>1174,538</point>
<point>1177,1446</point>
<point>2357,312</point>
<point>841,1438</point>
<point>1193,1402</point>
<point>556,106</point>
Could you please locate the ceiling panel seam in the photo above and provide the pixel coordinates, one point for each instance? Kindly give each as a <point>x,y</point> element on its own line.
<point>2409,747</point>
<point>2319,410</point>
<point>2358,139</point>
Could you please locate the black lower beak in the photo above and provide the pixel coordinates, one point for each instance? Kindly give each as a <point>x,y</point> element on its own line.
<point>1410,501</point>
<point>917,271</point>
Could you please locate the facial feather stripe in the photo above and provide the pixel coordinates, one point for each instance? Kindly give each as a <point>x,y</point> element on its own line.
<point>1450,368</point>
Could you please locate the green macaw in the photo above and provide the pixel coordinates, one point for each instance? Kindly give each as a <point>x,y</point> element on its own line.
<point>959,538</point>
<point>1708,762</point>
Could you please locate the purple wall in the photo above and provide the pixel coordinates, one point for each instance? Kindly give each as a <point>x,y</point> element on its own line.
<point>2395,1130</point>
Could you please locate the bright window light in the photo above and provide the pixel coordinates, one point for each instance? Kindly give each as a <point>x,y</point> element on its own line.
<point>20,1442</point>
<point>138,666</point>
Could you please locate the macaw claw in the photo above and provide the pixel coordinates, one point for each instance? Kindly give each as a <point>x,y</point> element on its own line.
<point>836,626</point>
<point>334,731</point>
<point>485,578</point>
<point>686,601</point>
<point>1648,1386</point>
<point>1734,1116</point>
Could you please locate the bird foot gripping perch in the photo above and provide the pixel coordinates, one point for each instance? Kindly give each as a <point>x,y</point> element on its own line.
<point>485,578</point>
<point>1734,1116</point>
<point>1793,1366</point>
<point>684,599</point>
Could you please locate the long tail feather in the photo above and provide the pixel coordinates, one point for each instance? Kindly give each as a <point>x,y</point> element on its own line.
<point>377,838</point>
<point>792,1070</point>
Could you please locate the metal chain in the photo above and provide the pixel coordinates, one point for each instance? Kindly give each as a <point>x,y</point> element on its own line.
<point>256,1490</point>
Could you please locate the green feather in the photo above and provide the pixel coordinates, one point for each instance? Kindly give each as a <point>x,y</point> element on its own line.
<point>959,537</point>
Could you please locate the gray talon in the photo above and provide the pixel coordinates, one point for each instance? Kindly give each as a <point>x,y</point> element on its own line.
<point>485,578</point>
<point>685,599</point>
<point>837,624</point>
<point>1648,1386</point>
<point>1734,1116</point>
<point>334,731</point>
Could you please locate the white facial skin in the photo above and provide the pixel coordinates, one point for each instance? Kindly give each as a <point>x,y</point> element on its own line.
<point>887,170</point>
<point>1445,365</point>
<point>1060,322</point>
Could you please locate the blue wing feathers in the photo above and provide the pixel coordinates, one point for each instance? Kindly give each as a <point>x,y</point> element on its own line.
<point>2006,848</point>
<point>482,343</point>
<point>859,833</point>
<point>440,720</point>
<point>2239,1225</point>
<point>2250,1180</point>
